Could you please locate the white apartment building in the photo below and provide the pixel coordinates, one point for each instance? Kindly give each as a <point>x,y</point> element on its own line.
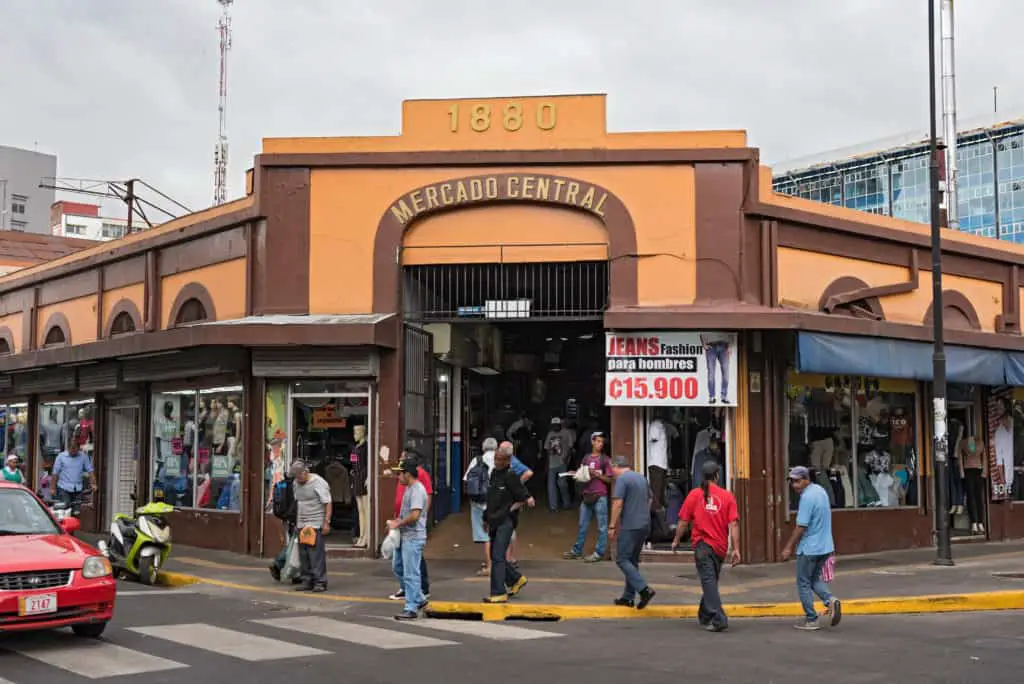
<point>22,202</point>
<point>81,220</point>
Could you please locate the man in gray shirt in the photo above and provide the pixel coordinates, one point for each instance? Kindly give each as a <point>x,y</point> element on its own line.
<point>558,446</point>
<point>412,525</point>
<point>313,511</point>
<point>630,527</point>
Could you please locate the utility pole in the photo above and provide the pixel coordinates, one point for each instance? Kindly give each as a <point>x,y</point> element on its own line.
<point>129,199</point>
<point>220,150</point>
<point>949,115</point>
<point>943,550</point>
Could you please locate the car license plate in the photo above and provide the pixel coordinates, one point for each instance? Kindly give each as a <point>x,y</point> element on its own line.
<point>39,604</point>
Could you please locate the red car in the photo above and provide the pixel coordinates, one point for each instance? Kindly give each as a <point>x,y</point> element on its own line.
<point>48,578</point>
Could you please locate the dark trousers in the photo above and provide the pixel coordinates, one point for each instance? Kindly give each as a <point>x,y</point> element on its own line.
<point>656,478</point>
<point>72,500</point>
<point>314,562</point>
<point>627,556</point>
<point>975,494</point>
<point>956,484</point>
<point>502,573</point>
<point>709,567</point>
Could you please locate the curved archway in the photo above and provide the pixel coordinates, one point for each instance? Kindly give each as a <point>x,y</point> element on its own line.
<point>840,298</point>
<point>199,306</point>
<point>57,331</point>
<point>124,318</point>
<point>481,190</point>
<point>6,341</point>
<point>957,312</point>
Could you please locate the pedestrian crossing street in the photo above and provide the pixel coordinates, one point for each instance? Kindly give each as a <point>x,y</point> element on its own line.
<point>253,641</point>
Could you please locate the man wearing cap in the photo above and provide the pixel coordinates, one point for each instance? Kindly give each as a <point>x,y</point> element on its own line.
<point>595,502</point>
<point>630,527</point>
<point>413,457</point>
<point>557,447</point>
<point>313,512</point>
<point>716,526</point>
<point>412,524</point>
<point>812,539</point>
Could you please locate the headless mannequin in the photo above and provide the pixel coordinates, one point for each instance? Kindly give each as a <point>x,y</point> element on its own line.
<point>361,485</point>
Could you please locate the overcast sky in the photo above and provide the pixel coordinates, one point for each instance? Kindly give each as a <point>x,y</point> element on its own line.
<point>120,88</point>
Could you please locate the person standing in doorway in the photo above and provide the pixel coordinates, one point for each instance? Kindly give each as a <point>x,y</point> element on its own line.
<point>557,448</point>
<point>595,502</point>
<point>716,353</point>
<point>812,539</point>
<point>712,512</point>
<point>412,525</point>
<point>630,526</point>
<point>423,477</point>
<point>506,494</point>
<point>69,470</point>
<point>313,521</point>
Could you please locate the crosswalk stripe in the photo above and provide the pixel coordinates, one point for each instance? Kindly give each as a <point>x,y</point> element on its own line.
<point>363,635</point>
<point>94,659</point>
<point>484,630</point>
<point>228,642</point>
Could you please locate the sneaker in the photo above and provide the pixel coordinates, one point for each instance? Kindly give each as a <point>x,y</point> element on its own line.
<point>423,604</point>
<point>625,602</point>
<point>807,625</point>
<point>500,598</point>
<point>835,610</point>
<point>407,615</point>
<point>572,555</point>
<point>398,595</point>
<point>645,597</point>
<point>517,587</point>
<point>275,572</point>
<point>319,588</point>
<point>712,627</point>
<point>304,587</point>
<point>426,596</point>
<point>593,558</point>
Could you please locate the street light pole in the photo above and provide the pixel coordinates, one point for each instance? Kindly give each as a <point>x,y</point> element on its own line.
<point>943,551</point>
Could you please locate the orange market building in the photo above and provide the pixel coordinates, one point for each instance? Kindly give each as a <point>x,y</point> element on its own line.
<point>507,257</point>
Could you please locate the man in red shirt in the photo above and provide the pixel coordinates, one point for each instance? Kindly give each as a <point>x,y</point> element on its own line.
<point>424,479</point>
<point>715,518</point>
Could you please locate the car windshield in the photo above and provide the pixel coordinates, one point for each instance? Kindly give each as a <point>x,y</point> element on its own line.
<point>21,513</point>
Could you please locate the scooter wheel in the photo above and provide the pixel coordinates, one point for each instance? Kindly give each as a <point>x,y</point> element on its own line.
<point>148,570</point>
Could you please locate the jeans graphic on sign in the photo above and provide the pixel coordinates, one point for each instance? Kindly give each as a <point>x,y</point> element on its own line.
<point>717,353</point>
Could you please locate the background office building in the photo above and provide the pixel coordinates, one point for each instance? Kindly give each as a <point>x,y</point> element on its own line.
<point>892,179</point>
<point>24,206</point>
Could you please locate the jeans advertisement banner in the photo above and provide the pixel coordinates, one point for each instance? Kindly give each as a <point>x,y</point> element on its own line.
<point>670,369</point>
<point>1005,422</point>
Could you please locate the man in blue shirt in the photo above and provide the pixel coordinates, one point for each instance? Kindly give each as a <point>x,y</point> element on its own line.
<point>812,539</point>
<point>69,470</point>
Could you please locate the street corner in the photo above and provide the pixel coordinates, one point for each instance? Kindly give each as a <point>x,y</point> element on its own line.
<point>887,605</point>
<point>176,579</point>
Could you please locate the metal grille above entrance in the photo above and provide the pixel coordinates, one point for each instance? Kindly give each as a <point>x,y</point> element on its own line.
<point>516,291</point>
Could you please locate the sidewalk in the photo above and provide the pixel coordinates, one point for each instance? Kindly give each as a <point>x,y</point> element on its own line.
<point>986,577</point>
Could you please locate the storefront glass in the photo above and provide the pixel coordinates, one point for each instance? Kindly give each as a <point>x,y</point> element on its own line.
<point>858,436</point>
<point>197,447</point>
<point>59,423</point>
<point>1006,435</point>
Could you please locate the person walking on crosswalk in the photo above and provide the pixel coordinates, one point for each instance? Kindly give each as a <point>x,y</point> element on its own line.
<point>412,524</point>
<point>506,494</point>
<point>313,520</point>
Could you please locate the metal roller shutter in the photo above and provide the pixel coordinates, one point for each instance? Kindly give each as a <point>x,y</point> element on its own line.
<point>315,363</point>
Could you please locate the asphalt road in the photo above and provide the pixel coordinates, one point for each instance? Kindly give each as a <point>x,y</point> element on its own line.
<point>205,635</point>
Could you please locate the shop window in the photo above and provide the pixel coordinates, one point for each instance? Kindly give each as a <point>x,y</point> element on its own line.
<point>60,423</point>
<point>192,311</point>
<point>858,436</point>
<point>197,448</point>
<point>122,324</point>
<point>1006,435</point>
<point>54,337</point>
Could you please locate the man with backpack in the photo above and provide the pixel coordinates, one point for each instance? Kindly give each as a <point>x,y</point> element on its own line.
<point>557,447</point>
<point>595,501</point>
<point>284,509</point>
<point>476,480</point>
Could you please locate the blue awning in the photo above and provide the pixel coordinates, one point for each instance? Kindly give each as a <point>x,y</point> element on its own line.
<point>880,357</point>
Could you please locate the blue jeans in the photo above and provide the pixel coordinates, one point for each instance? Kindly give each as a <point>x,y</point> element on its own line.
<point>718,353</point>
<point>558,489</point>
<point>599,510</point>
<point>406,566</point>
<point>808,583</point>
<point>627,556</point>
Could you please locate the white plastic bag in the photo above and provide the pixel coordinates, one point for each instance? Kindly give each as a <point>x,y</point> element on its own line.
<point>583,474</point>
<point>390,544</point>
<point>292,565</point>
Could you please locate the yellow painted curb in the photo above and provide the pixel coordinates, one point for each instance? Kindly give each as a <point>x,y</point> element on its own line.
<point>946,603</point>
<point>175,579</point>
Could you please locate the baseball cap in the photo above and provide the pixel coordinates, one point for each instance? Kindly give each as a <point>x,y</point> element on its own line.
<point>799,473</point>
<point>710,469</point>
<point>297,467</point>
<point>620,462</point>
<point>408,467</point>
<point>595,435</point>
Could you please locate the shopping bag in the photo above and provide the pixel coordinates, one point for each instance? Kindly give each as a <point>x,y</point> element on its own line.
<point>390,544</point>
<point>828,572</point>
<point>292,565</point>
<point>582,474</point>
<point>307,536</point>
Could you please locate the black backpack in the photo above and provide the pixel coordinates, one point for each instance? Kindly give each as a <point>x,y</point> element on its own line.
<point>477,481</point>
<point>284,506</point>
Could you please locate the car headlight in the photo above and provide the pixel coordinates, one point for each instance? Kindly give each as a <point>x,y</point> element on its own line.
<point>95,567</point>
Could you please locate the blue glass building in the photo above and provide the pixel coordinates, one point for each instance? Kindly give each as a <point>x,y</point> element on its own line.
<point>894,181</point>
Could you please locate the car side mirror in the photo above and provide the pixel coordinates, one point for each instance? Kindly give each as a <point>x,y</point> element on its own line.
<point>71,525</point>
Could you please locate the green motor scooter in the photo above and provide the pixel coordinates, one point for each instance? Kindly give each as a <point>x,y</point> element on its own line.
<point>138,547</point>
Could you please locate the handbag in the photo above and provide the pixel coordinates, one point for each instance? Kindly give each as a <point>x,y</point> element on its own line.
<point>307,536</point>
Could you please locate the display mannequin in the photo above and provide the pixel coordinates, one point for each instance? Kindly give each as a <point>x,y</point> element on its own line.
<point>361,485</point>
<point>70,425</point>
<point>221,418</point>
<point>85,423</point>
<point>165,429</point>
<point>50,437</point>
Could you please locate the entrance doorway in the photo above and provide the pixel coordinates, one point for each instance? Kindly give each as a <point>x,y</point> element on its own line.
<point>122,455</point>
<point>965,433</point>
